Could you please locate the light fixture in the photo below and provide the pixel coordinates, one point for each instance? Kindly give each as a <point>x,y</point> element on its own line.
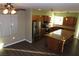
<point>5,11</point>
<point>13,11</point>
<point>39,9</point>
<point>9,9</point>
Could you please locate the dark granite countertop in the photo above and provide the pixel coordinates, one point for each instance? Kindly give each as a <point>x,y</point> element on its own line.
<point>60,34</point>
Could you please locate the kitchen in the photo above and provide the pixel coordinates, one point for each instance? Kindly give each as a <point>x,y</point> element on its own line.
<point>63,23</point>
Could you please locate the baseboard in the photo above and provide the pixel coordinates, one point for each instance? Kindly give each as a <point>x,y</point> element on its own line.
<point>14,42</point>
<point>28,41</point>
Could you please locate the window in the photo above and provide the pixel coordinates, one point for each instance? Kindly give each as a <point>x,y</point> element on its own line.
<point>58,20</point>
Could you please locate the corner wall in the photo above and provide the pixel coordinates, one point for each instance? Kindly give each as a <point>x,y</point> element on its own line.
<point>28,26</point>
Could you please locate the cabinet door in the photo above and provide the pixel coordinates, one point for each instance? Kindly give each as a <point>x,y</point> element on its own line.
<point>33,17</point>
<point>36,18</point>
<point>69,21</point>
<point>52,44</point>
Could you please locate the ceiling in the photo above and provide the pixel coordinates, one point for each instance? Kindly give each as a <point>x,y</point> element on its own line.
<point>53,6</point>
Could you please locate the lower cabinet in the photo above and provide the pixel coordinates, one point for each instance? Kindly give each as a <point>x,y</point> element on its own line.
<point>54,45</point>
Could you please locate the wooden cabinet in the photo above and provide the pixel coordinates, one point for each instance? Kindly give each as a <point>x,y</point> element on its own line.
<point>57,39</point>
<point>42,18</point>
<point>36,17</point>
<point>70,21</point>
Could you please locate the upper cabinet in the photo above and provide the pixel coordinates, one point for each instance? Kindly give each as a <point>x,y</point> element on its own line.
<point>36,17</point>
<point>41,15</point>
<point>70,21</point>
<point>41,18</point>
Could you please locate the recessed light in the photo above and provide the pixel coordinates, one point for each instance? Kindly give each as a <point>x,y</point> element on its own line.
<point>39,9</point>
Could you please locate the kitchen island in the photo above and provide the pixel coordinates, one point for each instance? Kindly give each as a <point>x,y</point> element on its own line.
<point>56,40</point>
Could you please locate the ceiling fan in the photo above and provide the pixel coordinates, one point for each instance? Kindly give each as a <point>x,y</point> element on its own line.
<point>9,8</point>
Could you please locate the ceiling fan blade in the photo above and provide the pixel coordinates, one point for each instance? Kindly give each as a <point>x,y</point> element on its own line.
<point>20,9</point>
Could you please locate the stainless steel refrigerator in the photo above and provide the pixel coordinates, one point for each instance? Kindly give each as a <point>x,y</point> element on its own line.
<point>36,30</point>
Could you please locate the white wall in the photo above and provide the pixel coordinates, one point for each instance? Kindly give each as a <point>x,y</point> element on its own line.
<point>28,26</point>
<point>12,26</point>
